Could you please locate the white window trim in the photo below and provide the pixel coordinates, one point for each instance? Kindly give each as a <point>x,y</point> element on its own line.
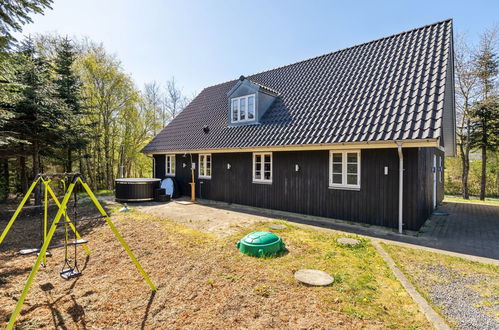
<point>262,180</point>
<point>440,169</point>
<point>239,109</point>
<point>344,170</point>
<point>170,157</point>
<point>203,176</point>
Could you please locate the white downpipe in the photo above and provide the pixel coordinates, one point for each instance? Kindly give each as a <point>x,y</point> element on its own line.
<point>401,184</point>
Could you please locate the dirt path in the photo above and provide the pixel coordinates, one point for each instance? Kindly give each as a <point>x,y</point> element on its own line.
<point>206,218</point>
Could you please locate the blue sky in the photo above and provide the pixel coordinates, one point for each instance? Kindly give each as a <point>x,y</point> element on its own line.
<point>203,43</point>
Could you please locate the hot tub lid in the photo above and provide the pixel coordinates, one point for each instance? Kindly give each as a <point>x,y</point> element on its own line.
<point>137,180</point>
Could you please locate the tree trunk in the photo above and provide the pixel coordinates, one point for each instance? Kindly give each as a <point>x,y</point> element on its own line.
<point>23,176</point>
<point>69,160</point>
<point>6,178</point>
<point>465,170</point>
<point>484,173</point>
<point>36,171</point>
<point>80,165</point>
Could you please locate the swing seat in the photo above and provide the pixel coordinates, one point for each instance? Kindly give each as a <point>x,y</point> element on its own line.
<point>30,251</point>
<point>77,242</point>
<point>69,273</point>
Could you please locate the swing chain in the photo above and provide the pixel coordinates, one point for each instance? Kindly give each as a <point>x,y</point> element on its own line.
<point>70,271</point>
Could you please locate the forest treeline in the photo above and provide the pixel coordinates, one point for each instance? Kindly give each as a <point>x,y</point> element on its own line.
<point>67,105</point>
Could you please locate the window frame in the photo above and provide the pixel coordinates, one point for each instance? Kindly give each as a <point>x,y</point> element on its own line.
<point>262,179</point>
<point>440,168</point>
<point>168,159</point>
<point>246,111</point>
<point>344,168</point>
<point>204,168</point>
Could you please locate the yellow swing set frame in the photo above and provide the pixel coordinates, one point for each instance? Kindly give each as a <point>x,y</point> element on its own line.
<point>47,235</point>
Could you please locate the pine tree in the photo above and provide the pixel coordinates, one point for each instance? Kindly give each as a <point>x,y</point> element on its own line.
<point>75,134</point>
<point>14,14</point>
<point>37,117</point>
<point>485,136</point>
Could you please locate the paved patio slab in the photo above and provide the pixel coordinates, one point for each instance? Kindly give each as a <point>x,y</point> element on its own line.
<point>469,228</point>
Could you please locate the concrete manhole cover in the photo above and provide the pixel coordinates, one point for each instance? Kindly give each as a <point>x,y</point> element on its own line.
<point>277,226</point>
<point>348,241</point>
<point>313,277</point>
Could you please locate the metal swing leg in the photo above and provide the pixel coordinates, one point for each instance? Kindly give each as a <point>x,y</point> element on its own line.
<point>50,235</point>
<point>38,261</point>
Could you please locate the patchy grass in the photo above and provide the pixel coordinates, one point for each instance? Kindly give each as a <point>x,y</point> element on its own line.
<point>437,277</point>
<point>456,199</point>
<point>204,282</point>
<point>364,287</point>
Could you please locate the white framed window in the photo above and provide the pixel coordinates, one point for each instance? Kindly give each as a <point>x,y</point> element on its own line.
<point>262,167</point>
<point>243,108</point>
<point>170,164</point>
<point>344,169</point>
<point>440,169</point>
<point>204,166</point>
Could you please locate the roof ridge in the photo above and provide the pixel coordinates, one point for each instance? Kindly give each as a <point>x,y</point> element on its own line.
<point>336,51</point>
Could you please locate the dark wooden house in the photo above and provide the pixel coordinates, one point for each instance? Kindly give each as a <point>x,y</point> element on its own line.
<point>359,134</point>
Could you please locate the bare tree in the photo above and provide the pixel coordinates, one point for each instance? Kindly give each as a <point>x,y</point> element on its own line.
<point>175,101</point>
<point>466,93</point>
<point>152,107</point>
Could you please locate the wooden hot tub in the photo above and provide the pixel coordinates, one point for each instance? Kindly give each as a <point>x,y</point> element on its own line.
<point>135,189</point>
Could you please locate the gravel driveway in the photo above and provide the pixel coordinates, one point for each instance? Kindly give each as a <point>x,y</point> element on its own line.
<point>458,299</point>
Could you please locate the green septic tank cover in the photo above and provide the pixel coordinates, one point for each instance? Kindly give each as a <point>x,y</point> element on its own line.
<point>260,243</point>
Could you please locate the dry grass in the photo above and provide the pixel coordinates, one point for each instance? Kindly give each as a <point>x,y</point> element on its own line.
<point>203,282</point>
<point>456,199</point>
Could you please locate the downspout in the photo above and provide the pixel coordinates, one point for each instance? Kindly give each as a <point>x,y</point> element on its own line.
<point>401,184</point>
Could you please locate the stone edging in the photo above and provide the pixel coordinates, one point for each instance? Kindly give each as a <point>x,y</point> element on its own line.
<point>432,316</point>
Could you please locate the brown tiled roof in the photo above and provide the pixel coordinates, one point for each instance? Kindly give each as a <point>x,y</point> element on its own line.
<point>383,90</point>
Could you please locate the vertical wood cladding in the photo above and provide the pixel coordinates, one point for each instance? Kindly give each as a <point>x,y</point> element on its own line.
<point>425,191</point>
<point>307,191</point>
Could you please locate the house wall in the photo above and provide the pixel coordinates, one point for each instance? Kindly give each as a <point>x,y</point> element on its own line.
<point>307,191</point>
<point>425,186</point>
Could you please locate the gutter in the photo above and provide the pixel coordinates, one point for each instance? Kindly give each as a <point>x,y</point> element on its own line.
<point>401,184</point>
<point>306,147</point>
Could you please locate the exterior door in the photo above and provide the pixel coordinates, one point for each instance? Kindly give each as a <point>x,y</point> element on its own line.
<point>434,181</point>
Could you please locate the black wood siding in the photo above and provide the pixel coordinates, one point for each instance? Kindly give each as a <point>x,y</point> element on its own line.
<point>307,191</point>
<point>425,191</point>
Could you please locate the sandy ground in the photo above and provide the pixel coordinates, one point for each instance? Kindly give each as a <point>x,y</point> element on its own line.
<point>203,281</point>
<point>204,216</point>
<point>199,285</point>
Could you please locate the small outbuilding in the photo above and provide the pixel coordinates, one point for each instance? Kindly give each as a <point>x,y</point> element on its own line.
<point>358,134</point>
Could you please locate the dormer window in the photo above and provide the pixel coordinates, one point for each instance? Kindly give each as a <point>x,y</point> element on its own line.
<point>247,102</point>
<point>243,108</point>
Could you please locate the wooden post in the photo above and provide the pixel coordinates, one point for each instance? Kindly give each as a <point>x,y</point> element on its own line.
<point>193,186</point>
